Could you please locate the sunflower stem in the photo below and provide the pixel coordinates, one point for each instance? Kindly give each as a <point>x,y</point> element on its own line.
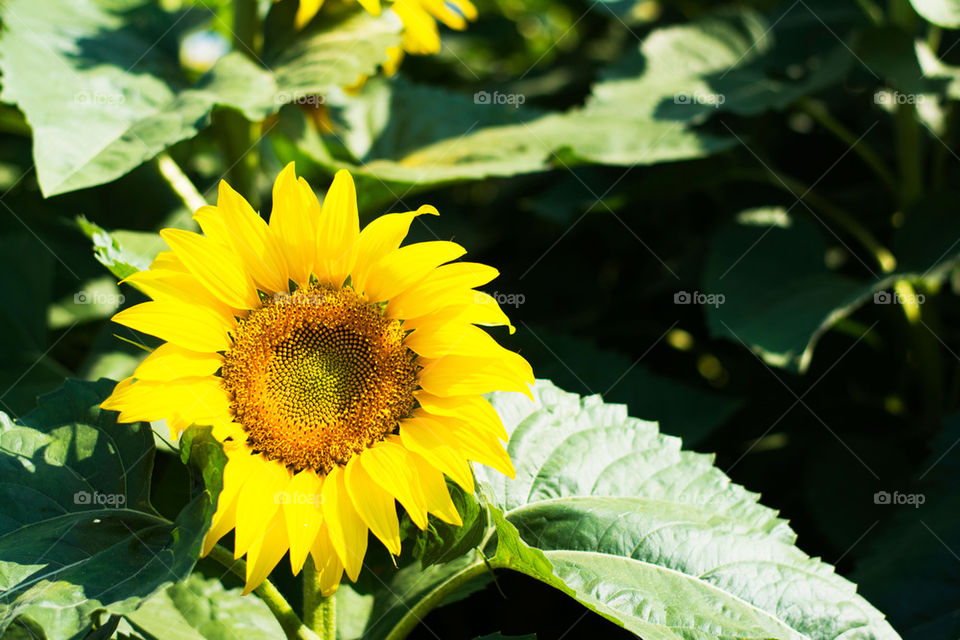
<point>292,626</point>
<point>179,182</point>
<point>319,611</point>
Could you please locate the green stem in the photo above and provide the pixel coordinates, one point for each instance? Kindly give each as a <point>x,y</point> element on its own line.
<point>271,596</point>
<point>929,363</point>
<point>846,220</point>
<point>819,112</point>
<point>908,153</point>
<point>319,611</point>
<point>432,600</point>
<point>907,120</point>
<point>941,152</point>
<point>179,182</point>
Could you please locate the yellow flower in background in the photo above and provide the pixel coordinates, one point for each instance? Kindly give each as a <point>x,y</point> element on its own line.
<point>420,33</point>
<point>341,371</point>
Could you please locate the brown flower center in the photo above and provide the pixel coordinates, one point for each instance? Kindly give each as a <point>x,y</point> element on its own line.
<point>317,376</point>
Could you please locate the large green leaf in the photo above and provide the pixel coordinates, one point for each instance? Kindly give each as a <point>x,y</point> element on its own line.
<point>909,567</point>
<point>202,609</point>
<point>774,292</point>
<point>693,70</point>
<point>654,538</point>
<point>102,88</point>
<point>773,289</point>
<point>77,531</point>
<point>400,135</point>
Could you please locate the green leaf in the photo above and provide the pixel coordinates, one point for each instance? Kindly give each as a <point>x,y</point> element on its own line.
<point>102,88</point>
<point>402,135</point>
<point>613,513</point>
<point>26,279</point>
<point>95,299</point>
<point>773,291</point>
<point>202,609</point>
<point>908,567</point>
<point>718,63</point>
<point>77,531</point>
<point>122,252</point>
<point>943,13</point>
<point>442,542</point>
<point>656,538</point>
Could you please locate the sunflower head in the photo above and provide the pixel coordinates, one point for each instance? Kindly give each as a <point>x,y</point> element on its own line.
<point>342,372</point>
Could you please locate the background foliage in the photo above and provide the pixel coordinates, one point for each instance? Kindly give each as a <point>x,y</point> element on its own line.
<point>739,222</point>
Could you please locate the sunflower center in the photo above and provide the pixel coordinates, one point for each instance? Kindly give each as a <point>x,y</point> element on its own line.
<point>317,376</point>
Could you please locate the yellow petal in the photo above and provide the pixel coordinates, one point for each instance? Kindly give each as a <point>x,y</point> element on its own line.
<point>372,6</point>
<point>443,286</point>
<point>304,515</point>
<point>265,553</point>
<point>478,446</point>
<point>420,33</point>
<point>179,286</point>
<point>420,434</point>
<point>474,307</point>
<point>198,400</point>
<point>327,562</point>
<point>234,478</point>
<point>305,12</point>
<point>453,339</point>
<point>259,502</point>
<point>389,464</point>
<point>435,491</point>
<point>465,375</point>
<point>379,238</point>
<point>394,58</point>
<point>348,533</point>
<point>338,230</point>
<point>215,266</point>
<point>447,14</point>
<point>191,327</point>
<point>293,223</point>
<point>401,269</point>
<point>170,361</point>
<point>475,410</point>
<point>374,504</point>
<point>167,260</point>
<point>234,223</point>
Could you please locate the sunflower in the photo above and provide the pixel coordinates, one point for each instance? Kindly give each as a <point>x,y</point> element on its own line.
<point>341,371</point>
<point>420,33</point>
